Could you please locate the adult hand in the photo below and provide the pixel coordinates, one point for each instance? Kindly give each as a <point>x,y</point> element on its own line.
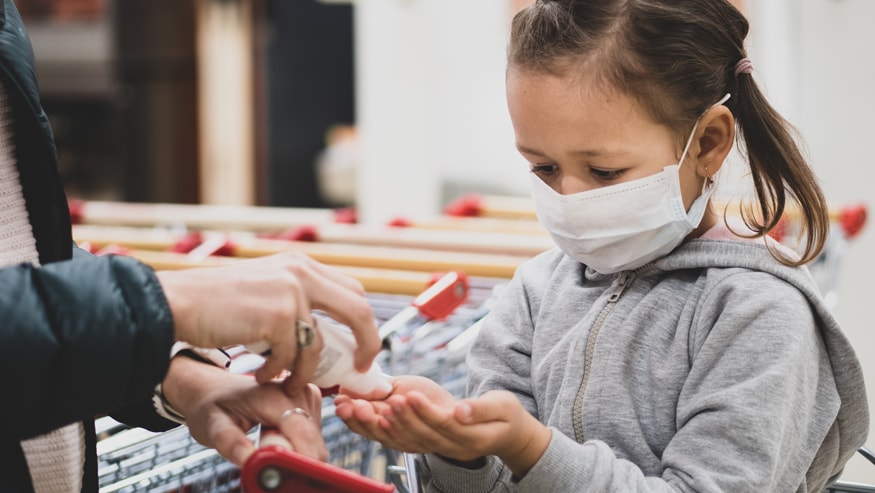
<point>260,300</point>
<point>420,417</point>
<point>220,408</point>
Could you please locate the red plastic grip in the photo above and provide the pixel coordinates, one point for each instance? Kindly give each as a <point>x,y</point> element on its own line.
<point>188,242</point>
<point>444,296</point>
<point>399,222</point>
<point>465,206</point>
<point>76,207</point>
<point>853,218</point>
<point>273,469</point>
<point>346,216</point>
<point>780,229</point>
<point>306,232</point>
<point>215,246</point>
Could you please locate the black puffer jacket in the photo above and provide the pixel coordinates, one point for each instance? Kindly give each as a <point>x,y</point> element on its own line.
<point>82,335</point>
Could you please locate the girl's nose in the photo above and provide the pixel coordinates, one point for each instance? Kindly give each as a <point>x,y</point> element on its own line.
<point>569,184</point>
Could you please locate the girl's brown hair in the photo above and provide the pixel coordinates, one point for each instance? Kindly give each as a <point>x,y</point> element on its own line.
<point>677,58</point>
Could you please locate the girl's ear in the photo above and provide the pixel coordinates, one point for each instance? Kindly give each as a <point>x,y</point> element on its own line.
<point>715,138</point>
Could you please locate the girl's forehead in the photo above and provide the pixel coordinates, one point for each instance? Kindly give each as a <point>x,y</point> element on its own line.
<point>570,100</point>
<point>555,115</point>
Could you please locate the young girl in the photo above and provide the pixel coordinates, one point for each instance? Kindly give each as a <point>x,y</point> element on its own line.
<point>660,348</point>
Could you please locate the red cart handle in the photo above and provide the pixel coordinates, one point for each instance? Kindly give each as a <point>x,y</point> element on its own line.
<point>274,469</point>
<point>441,299</point>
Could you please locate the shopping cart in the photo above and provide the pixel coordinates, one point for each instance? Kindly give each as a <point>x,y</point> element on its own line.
<point>132,460</point>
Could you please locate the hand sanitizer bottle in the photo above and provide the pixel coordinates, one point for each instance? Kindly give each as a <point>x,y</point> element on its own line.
<point>336,361</point>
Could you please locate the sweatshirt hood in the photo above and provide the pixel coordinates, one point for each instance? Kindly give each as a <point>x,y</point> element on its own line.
<point>752,254</point>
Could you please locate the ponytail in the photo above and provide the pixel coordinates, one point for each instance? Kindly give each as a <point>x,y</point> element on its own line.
<point>777,167</point>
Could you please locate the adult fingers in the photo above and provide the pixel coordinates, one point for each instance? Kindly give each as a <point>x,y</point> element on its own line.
<point>284,352</point>
<point>302,430</point>
<point>229,440</point>
<point>343,298</point>
<point>296,418</point>
<point>307,359</point>
<point>338,277</point>
<point>356,313</point>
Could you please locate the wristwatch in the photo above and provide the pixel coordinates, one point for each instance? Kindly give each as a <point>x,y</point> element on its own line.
<point>213,356</point>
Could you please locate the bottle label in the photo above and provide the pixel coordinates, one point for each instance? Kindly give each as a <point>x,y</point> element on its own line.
<point>327,360</point>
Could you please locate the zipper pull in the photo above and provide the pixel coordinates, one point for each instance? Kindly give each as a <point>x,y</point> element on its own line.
<point>623,283</point>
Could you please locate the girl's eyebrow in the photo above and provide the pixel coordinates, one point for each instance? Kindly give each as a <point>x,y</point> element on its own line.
<point>582,152</point>
<point>526,150</point>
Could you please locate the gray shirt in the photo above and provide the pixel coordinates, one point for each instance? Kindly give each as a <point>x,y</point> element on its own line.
<point>715,368</point>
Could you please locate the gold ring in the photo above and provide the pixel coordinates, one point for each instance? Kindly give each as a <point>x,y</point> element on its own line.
<point>289,412</point>
<point>305,333</point>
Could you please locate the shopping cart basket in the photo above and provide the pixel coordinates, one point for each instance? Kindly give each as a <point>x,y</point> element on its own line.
<point>136,460</point>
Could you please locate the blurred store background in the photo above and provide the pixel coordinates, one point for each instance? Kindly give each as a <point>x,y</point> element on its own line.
<point>193,101</point>
<point>388,105</point>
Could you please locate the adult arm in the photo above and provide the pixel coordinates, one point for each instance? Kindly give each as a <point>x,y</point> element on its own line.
<point>79,338</point>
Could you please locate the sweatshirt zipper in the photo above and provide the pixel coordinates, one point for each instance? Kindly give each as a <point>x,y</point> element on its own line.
<point>625,280</point>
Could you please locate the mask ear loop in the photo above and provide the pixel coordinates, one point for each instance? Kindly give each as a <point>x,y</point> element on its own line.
<point>709,181</point>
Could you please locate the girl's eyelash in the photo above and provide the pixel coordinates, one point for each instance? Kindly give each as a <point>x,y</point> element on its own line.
<point>602,175</point>
<point>543,168</point>
<point>606,175</point>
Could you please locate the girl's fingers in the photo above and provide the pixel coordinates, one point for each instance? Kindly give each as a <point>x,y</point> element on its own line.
<point>472,428</point>
<point>409,427</point>
<point>370,422</point>
<point>342,402</point>
<point>491,406</point>
<point>437,418</point>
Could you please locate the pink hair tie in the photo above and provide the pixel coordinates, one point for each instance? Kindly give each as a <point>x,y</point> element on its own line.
<point>744,66</point>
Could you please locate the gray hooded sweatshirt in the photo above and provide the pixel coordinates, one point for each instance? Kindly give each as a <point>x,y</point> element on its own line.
<point>713,369</point>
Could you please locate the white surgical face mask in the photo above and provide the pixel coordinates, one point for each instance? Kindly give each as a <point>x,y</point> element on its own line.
<point>622,226</point>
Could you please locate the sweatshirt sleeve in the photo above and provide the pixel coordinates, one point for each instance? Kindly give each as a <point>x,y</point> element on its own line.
<point>758,406</point>
<point>501,357</point>
<point>79,338</point>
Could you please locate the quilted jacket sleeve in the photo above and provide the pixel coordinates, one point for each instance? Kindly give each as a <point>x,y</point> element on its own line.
<point>79,338</point>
